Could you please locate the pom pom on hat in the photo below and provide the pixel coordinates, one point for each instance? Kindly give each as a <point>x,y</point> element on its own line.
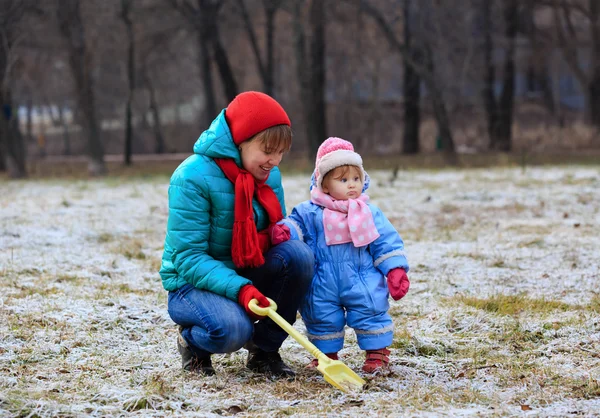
<point>252,112</point>
<point>335,152</point>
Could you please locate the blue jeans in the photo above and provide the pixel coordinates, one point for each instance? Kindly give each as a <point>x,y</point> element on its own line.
<point>214,324</point>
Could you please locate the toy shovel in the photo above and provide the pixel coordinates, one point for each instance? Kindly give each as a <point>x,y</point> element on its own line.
<point>334,371</point>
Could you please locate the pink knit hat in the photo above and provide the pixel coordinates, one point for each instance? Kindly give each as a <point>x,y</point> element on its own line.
<point>335,152</point>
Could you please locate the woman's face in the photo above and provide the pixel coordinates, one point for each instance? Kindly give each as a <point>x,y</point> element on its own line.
<point>257,161</point>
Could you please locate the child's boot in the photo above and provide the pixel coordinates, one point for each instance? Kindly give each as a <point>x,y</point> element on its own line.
<point>315,362</point>
<point>376,360</point>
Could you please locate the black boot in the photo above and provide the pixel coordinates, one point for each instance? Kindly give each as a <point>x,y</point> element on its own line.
<point>260,361</point>
<point>190,361</point>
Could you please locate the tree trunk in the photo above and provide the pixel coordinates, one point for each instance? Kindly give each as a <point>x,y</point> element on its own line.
<point>412,111</point>
<point>125,10</point>
<point>86,99</point>
<point>159,146</point>
<point>568,37</point>
<point>302,69</point>
<point>594,94</point>
<point>488,94</point>
<point>19,147</point>
<point>29,121</point>
<point>65,127</point>
<point>210,108</point>
<point>269,78</point>
<point>439,110</point>
<point>503,134</point>
<point>202,16</point>
<point>412,91</point>
<point>318,117</point>
<point>426,70</point>
<point>72,29</point>
<point>210,19</point>
<point>444,130</point>
<point>12,142</point>
<point>594,87</point>
<point>12,146</point>
<point>545,82</point>
<point>229,84</point>
<point>265,67</point>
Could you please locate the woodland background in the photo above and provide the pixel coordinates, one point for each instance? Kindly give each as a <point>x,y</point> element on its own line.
<point>128,77</point>
<point>101,99</point>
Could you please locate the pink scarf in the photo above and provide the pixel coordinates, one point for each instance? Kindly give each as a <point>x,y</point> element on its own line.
<point>346,220</point>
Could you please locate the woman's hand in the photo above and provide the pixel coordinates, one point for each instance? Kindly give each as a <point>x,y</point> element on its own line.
<point>279,233</point>
<point>249,292</point>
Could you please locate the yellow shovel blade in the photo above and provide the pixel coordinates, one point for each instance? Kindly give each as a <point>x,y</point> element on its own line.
<point>339,375</point>
<point>334,371</point>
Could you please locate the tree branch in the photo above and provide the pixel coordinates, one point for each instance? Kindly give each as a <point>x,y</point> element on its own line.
<point>252,36</point>
<point>569,52</point>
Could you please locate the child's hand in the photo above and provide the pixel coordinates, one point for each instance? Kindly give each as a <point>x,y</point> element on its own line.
<point>279,233</point>
<point>398,283</point>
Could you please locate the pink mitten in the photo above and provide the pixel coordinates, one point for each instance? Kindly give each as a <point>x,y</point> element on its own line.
<point>398,283</point>
<point>279,233</point>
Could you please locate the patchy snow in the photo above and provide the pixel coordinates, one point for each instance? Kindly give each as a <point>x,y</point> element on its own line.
<point>84,328</point>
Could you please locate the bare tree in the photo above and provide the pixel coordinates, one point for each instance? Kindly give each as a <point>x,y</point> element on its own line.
<point>44,75</point>
<point>570,40</point>
<point>310,66</point>
<point>500,112</point>
<point>65,128</point>
<point>412,87</point>
<point>265,66</point>
<point>126,7</point>
<point>159,144</point>
<point>203,17</point>
<point>80,61</point>
<point>426,70</point>
<point>540,59</point>
<point>12,144</point>
<point>160,40</point>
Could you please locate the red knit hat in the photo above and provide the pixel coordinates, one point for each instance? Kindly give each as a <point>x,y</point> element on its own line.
<point>252,112</point>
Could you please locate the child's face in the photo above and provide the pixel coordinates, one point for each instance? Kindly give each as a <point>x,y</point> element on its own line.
<point>343,183</point>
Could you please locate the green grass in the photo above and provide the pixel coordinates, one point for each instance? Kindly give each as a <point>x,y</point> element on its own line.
<point>513,304</point>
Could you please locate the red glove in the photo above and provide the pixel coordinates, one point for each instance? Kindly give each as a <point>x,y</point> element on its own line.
<point>279,233</point>
<point>398,283</point>
<point>249,292</point>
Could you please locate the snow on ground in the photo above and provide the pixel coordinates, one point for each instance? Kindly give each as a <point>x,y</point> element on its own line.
<point>503,315</point>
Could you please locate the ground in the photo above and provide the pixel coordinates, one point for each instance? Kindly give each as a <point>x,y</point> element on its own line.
<point>502,318</point>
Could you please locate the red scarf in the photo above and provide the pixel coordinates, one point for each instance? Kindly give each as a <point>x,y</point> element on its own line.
<point>248,245</point>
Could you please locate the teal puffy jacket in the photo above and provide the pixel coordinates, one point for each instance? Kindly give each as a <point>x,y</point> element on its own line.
<point>199,229</point>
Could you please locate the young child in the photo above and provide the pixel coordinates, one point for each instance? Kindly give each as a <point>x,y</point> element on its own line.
<point>355,248</point>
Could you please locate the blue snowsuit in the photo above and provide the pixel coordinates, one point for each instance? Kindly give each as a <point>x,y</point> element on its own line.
<point>349,284</point>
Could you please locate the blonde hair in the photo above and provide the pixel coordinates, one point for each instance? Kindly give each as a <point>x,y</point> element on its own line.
<point>341,171</point>
<point>275,138</point>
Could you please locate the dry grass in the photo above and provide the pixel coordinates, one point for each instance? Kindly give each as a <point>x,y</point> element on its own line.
<point>502,316</point>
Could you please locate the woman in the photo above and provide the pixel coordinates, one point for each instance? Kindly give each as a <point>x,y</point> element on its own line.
<point>224,203</point>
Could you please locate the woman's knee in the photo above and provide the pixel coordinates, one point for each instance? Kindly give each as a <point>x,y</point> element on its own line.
<point>299,258</point>
<point>232,334</point>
